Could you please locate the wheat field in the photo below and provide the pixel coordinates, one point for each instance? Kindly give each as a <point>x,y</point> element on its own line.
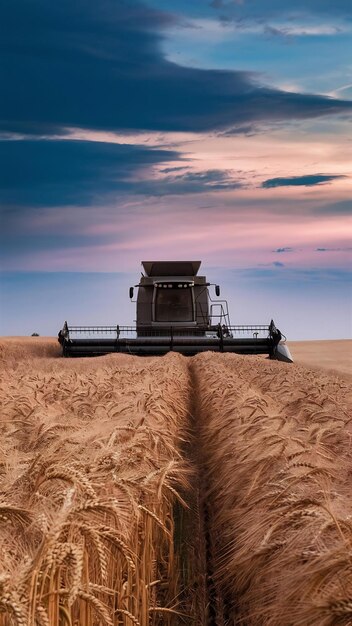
<point>211,490</point>
<point>277,463</point>
<point>91,472</point>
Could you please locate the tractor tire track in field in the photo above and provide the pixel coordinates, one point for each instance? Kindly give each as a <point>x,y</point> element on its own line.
<point>211,607</point>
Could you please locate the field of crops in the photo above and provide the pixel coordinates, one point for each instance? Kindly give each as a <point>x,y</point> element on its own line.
<point>211,490</point>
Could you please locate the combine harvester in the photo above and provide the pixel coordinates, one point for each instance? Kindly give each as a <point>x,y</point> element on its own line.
<point>175,312</point>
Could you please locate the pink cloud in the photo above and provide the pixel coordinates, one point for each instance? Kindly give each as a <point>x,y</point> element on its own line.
<point>241,238</point>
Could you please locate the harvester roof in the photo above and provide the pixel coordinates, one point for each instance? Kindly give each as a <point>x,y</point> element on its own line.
<point>171,268</point>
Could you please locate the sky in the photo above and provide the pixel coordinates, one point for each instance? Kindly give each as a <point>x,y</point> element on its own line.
<point>213,130</point>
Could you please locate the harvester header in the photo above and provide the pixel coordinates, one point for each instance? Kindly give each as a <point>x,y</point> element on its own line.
<point>175,311</point>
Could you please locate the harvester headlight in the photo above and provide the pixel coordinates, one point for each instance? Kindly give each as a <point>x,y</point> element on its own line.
<point>179,285</point>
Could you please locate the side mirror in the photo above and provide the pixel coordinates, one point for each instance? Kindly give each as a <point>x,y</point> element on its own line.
<point>217,290</point>
<point>131,292</point>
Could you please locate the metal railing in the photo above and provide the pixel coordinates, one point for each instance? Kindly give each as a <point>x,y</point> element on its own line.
<point>256,331</point>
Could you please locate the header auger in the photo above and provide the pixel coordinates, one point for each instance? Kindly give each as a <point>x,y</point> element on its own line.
<point>175,311</point>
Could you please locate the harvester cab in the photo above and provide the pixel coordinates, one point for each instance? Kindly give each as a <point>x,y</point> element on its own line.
<point>175,311</point>
<point>171,294</point>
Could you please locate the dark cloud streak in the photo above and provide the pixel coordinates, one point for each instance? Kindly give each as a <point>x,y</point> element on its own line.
<point>348,249</point>
<point>63,172</point>
<point>53,173</point>
<point>76,64</point>
<point>342,207</point>
<point>308,180</point>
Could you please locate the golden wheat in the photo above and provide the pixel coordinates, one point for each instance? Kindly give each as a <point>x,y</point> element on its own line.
<point>172,491</point>
<point>91,472</point>
<point>276,461</point>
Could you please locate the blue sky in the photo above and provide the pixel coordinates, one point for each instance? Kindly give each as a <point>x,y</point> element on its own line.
<point>35,300</point>
<point>219,130</point>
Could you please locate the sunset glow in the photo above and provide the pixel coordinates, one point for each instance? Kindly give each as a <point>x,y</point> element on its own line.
<point>157,130</point>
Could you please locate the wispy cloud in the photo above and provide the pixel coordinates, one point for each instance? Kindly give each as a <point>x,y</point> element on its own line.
<point>196,182</point>
<point>308,180</point>
<point>272,264</point>
<point>333,249</point>
<point>301,30</point>
<point>257,9</point>
<point>340,207</point>
<point>217,30</point>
